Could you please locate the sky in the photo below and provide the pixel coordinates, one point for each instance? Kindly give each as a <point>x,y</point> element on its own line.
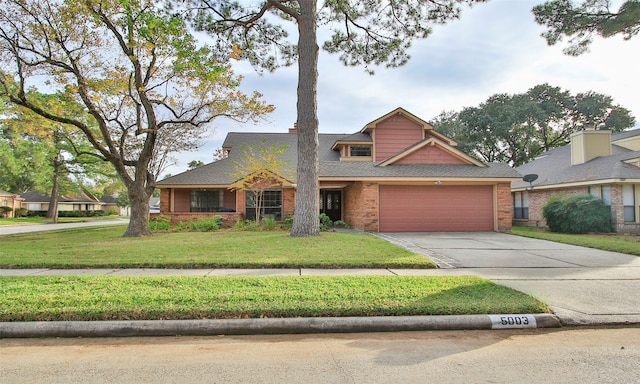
<point>494,47</point>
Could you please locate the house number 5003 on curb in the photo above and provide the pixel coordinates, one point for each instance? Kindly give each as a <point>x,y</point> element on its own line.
<point>512,321</point>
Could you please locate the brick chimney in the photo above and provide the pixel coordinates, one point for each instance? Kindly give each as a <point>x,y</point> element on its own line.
<point>294,129</point>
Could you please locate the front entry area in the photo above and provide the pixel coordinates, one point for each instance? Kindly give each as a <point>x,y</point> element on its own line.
<point>331,203</point>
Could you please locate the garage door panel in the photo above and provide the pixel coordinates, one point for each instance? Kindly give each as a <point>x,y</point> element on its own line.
<point>436,208</point>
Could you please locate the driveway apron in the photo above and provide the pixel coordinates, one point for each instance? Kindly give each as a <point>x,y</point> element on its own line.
<point>581,285</point>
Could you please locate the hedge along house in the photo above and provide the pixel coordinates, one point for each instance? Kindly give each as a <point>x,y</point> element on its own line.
<point>594,162</point>
<point>396,174</point>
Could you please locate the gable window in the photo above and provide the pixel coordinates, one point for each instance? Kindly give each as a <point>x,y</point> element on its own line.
<point>206,200</point>
<point>521,205</point>
<point>360,150</point>
<point>629,202</point>
<point>271,205</point>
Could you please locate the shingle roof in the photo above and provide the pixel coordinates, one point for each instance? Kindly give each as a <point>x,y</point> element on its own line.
<point>554,167</point>
<point>38,197</point>
<point>218,172</point>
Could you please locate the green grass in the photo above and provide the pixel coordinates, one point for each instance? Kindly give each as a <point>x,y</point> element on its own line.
<point>629,244</point>
<point>137,298</point>
<point>44,220</point>
<point>104,247</point>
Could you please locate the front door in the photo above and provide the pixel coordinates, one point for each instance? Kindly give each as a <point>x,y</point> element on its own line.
<point>331,204</point>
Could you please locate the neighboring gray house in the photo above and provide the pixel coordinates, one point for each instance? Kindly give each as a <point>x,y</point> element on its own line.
<point>595,162</point>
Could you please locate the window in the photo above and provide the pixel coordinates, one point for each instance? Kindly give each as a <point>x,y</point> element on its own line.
<point>521,205</point>
<point>271,204</point>
<point>206,201</point>
<point>360,150</point>
<point>602,192</point>
<point>629,202</point>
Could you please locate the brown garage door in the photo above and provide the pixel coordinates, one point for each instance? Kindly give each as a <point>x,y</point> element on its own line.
<point>436,208</point>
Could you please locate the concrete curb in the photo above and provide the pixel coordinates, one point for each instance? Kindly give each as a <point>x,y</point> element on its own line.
<point>262,326</point>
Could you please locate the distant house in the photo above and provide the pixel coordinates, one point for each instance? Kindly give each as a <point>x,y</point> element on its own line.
<point>109,205</point>
<point>11,200</point>
<point>83,201</point>
<point>395,174</point>
<point>595,162</point>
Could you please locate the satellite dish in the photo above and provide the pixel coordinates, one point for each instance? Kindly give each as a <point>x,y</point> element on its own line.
<point>530,178</point>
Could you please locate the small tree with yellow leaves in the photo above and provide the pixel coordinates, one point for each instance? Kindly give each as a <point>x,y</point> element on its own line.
<point>261,168</point>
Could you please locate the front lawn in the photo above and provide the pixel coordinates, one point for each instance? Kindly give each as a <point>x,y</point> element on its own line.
<point>104,247</point>
<point>629,243</point>
<point>155,298</point>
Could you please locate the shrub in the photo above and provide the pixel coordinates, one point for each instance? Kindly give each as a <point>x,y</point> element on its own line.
<point>4,211</point>
<point>341,223</point>
<point>577,214</point>
<point>36,213</point>
<point>269,224</point>
<point>160,223</point>
<point>288,223</point>
<point>113,212</point>
<point>20,212</point>
<point>325,222</point>
<point>206,225</point>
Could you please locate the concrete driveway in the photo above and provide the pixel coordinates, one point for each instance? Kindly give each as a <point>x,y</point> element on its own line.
<point>581,285</point>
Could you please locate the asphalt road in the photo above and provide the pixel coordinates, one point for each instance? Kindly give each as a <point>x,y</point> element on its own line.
<point>508,356</point>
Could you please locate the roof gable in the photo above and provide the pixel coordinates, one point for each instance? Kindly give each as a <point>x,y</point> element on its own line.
<point>371,126</point>
<point>431,151</point>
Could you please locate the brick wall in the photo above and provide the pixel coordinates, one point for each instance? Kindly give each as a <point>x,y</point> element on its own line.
<point>361,206</point>
<point>288,202</point>
<point>229,219</point>
<point>504,207</point>
<point>165,194</point>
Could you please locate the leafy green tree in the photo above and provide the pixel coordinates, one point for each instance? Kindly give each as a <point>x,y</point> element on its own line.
<point>367,33</point>
<point>195,164</point>
<point>143,86</point>
<point>70,162</point>
<point>23,163</point>
<point>581,21</point>
<point>517,128</point>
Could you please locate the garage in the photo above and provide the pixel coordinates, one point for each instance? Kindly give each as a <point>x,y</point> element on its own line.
<point>439,208</point>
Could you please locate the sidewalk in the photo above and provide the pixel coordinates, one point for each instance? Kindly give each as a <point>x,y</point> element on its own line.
<point>582,287</point>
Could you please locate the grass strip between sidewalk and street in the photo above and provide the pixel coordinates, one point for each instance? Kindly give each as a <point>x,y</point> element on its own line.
<point>154,298</point>
<point>104,247</point>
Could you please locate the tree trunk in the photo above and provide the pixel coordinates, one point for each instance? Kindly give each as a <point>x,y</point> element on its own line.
<point>139,218</point>
<point>52,212</point>
<point>305,220</point>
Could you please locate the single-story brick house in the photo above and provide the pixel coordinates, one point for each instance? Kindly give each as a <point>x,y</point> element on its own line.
<point>594,162</point>
<point>79,202</point>
<point>11,200</point>
<point>395,174</point>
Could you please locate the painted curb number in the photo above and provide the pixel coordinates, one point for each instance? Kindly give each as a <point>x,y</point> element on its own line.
<point>512,321</point>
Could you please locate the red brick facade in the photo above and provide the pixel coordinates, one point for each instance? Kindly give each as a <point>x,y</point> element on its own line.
<point>360,209</point>
<point>504,207</point>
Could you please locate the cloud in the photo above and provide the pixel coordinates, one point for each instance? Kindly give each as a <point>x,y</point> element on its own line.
<point>495,47</point>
